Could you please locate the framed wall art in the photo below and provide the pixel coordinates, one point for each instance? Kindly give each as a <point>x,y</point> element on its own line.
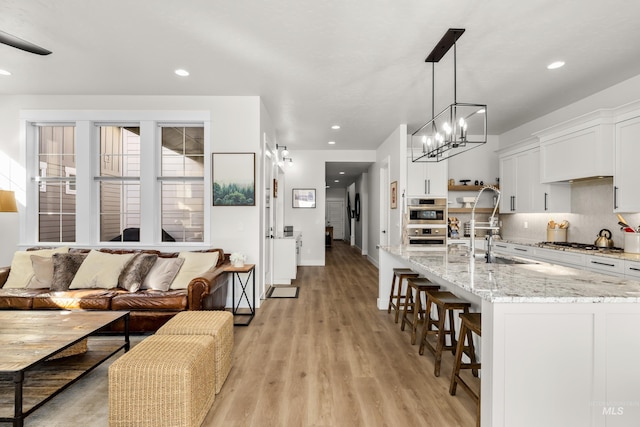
<point>234,178</point>
<point>394,194</point>
<point>304,198</point>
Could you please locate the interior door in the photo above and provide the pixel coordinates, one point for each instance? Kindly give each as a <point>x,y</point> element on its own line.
<point>270,208</point>
<point>335,215</point>
<point>384,204</point>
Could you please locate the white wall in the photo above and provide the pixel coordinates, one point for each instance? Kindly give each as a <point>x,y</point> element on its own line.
<point>612,97</point>
<point>236,125</point>
<point>308,171</point>
<point>393,149</point>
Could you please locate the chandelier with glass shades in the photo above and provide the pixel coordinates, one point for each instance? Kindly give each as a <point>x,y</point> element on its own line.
<point>456,129</point>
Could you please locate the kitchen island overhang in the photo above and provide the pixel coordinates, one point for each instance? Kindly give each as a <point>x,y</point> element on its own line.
<point>558,344</point>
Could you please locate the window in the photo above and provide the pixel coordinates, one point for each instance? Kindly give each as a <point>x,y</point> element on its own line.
<point>119,182</point>
<point>182,180</point>
<point>56,205</point>
<point>138,176</point>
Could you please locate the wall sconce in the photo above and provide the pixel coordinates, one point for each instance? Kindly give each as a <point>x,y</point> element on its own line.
<point>8,201</point>
<point>283,153</point>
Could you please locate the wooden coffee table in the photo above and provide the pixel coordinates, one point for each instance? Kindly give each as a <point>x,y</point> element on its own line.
<point>29,337</point>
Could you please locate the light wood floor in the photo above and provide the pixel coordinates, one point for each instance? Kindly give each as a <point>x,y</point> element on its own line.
<point>331,358</point>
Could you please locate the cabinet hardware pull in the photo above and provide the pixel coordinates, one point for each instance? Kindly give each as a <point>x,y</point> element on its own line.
<point>545,201</point>
<point>521,249</point>
<point>603,263</point>
<point>501,246</point>
<point>615,197</point>
<point>634,269</point>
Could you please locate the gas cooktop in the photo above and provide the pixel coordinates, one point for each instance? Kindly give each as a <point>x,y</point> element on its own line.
<point>582,246</point>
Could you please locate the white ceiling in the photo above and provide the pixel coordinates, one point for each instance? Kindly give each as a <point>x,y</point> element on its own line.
<point>358,63</point>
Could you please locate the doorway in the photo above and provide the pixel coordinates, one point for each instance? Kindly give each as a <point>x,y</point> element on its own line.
<point>336,217</point>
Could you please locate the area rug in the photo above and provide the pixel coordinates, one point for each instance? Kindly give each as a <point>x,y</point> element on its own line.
<point>284,292</point>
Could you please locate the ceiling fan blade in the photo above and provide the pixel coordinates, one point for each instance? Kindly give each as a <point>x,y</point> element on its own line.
<point>16,42</point>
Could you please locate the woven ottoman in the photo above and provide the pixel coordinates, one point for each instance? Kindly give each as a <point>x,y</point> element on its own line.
<point>218,324</point>
<point>165,380</point>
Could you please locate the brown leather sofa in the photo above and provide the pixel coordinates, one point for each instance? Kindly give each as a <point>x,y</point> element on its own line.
<point>149,309</point>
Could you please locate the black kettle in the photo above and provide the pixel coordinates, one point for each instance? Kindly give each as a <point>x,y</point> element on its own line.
<point>604,239</point>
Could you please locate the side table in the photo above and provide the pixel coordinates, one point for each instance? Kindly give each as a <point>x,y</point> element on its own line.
<point>243,316</point>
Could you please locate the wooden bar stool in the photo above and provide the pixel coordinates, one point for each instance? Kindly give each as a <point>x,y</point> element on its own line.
<point>471,322</point>
<point>446,303</point>
<point>401,274</point>
<point>414,305</point>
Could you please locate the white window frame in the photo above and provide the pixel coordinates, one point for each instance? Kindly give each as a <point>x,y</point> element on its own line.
<point>86,123</point>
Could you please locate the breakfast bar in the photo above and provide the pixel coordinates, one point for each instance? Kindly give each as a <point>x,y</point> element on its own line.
<point>559,345</point>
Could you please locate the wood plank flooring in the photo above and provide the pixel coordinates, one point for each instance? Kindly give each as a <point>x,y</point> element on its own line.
<point>331,358</point>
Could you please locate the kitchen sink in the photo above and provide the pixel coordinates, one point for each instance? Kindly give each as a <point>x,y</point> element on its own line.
<point>501,260</point>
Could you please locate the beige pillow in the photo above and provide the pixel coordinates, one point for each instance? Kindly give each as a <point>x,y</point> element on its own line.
<point>162,273</point>
<point>22,269</point>
<point>43,272</point>
<point>100,270</point>
<point>195,263</point>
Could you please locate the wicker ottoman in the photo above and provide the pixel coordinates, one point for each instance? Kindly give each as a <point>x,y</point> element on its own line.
<point>165,380</point>
<point>218,324</point>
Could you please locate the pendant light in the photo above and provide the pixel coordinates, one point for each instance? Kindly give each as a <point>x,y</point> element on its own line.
<point>456,129</point>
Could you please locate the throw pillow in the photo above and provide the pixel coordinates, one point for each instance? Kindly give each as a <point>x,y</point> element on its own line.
<point>100,270</point>
<point>162,274</point>
<point>135,271</point>
<point>43,272</point>
<point>65,267</point>
<point>21,269</point>
<point>195,263</point>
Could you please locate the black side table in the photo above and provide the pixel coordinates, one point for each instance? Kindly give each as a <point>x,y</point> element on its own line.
<point>243,316</point>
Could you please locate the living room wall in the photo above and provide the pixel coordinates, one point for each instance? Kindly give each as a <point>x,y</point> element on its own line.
<point>236,126</point>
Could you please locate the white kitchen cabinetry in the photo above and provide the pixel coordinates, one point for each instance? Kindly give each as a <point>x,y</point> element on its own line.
<point>427,178</point>
<point>606,265</point>
<point>285,260</point>
<point>579,148</point>
<point>522,191</point>
<point>627,166</point>
<point>632,269</point>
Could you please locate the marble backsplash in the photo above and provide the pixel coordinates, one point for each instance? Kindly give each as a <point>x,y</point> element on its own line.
<point>591,205</point>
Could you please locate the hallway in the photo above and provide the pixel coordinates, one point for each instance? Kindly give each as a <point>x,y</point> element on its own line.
<point>331,358</point>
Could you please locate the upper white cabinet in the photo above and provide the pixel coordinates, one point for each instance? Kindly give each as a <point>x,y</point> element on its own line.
<point>580,148</point>
<point>427,178</point>
<point>627,166</point>
<point>522,191</point>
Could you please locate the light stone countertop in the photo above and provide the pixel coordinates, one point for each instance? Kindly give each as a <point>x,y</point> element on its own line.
<point>533,282</point>
<point>601,252</point>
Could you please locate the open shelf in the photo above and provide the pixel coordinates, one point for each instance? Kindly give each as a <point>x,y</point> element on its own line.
<point>468,187</point>
<point>468,210</point>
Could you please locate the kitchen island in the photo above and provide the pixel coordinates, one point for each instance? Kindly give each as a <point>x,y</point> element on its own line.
<point>559,345</point>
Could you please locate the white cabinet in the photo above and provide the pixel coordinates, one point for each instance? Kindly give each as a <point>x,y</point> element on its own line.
<point>627,166</point>
<point>632,269</point>
<point>580,150</point>
<point>613,266</point>
<point>425,178</point>
<point>522,191</point>
<point>285,260</point>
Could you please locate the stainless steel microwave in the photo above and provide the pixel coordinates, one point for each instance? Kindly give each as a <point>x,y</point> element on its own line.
<point>427,210</point>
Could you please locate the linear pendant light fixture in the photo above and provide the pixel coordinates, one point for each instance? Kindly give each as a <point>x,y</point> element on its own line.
<point>456,129</point>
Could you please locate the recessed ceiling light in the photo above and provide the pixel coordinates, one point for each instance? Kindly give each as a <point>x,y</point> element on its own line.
<point>335,127</point>
<point>336,180</point>
<point>181,72</point>
<point>341,173</point>
<point>555,65</point>
<point>332,143</point>
<point>4,72</point>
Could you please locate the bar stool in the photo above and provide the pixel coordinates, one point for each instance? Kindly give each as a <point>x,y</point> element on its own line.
<point>401,274</point>
<point>471,322</point>
<point>414,305</point>
<point>446,303</point>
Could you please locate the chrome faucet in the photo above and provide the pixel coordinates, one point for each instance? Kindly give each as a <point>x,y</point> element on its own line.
<point>491,225</point>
